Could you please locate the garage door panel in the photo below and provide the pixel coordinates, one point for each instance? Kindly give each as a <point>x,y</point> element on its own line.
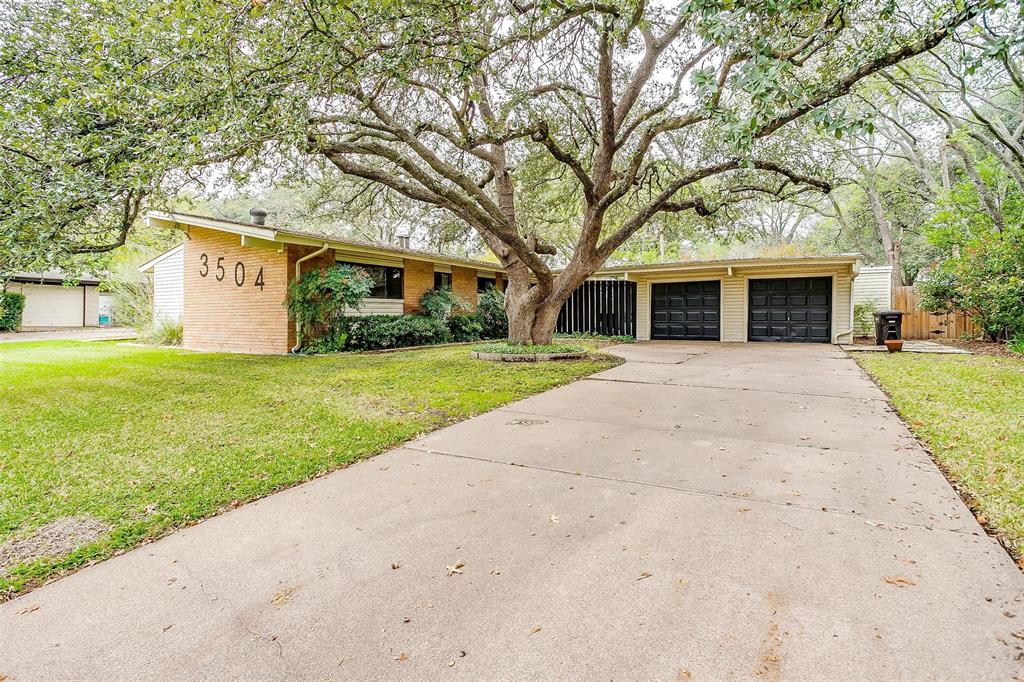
<point>686,310</point>
<point>53,305</point>
<point>797,309</point>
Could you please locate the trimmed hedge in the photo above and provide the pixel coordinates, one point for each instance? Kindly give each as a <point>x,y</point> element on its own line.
<point>375,332</point>
<point>12,306</point>
<point>465,327</point>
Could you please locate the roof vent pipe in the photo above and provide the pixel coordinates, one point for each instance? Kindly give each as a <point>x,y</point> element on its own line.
<point>403,241</point>
<point>258,216</point>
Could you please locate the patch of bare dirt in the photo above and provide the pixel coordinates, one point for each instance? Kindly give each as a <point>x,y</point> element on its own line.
<point>981,347</point>
<point>56,538</point>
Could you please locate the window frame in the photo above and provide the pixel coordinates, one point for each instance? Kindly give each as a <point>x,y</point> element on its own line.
<point>439,280</point>
<point>390,282</point>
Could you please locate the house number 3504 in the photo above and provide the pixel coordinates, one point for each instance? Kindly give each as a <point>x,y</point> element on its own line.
<point>220,272</point>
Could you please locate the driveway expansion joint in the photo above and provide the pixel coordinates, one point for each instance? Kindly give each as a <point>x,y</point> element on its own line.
<point>883,524</point>
<point>669,382</point>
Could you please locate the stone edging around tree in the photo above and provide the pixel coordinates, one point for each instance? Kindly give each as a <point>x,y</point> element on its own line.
<point>527,357</point>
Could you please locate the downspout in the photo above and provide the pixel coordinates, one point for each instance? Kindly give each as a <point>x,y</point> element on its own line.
<point>298,273</point>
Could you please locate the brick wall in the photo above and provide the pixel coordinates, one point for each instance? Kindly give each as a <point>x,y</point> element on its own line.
<point>464,284</point>
<point>295,252</point>
<point>418,279</point>
<point>233,313</point>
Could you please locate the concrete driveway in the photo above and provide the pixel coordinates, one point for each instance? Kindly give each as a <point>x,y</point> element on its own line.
<point>701,512</point>
<point>69,334</point>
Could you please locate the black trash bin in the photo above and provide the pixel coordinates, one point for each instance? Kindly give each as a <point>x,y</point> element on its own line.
<point>887,325</point>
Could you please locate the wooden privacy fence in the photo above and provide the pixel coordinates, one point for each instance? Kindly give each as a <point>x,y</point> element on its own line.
<point>606,307</point>
<point>921,324</point>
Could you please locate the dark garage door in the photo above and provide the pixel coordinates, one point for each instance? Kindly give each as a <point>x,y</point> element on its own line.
<point>685,310</point>
<point>791,309</point>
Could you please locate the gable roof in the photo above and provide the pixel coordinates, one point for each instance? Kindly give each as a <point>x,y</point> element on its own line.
<point>149,265</point>
<point>309,238</point>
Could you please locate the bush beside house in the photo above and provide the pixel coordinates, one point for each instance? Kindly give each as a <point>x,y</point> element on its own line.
<point>12,306</point>
<point>322,297</point>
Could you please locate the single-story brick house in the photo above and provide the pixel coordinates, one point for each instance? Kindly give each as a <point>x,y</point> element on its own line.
<point>228,281</point>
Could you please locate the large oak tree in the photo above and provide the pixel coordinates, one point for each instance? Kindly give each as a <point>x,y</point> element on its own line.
<point>650,108</point>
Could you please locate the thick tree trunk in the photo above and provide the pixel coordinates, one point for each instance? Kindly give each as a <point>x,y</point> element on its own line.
<point>533,312</point>
<point>532,321</point>
<point>521,315</point>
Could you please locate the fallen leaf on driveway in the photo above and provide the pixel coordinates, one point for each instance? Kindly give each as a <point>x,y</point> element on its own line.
<point>684,675</point>
<point>283,596</point>
<point>742,509</point>
<point>455,568</point>
<point>402,657</point>
<point>535,630</point>
<point>28,609</point>
<point>554,519</point>
<point>898,580</point>
<point>645,574</point>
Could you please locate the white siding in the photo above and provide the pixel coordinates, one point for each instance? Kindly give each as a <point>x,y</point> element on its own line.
<point>92,306</point>
<point>379,306</point>
<point>54,305</point>
<point>169,287</point>
<point>734,309</point>
<point>874,285</point>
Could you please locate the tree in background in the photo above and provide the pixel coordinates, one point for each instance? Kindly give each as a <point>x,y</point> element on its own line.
<point>647,109</point>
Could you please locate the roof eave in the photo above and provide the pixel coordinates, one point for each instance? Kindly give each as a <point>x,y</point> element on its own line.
<point>177,221</point>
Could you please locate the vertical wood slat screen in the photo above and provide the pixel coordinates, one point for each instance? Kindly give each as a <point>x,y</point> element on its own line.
<point>921,324</point>
<point>606,307</point>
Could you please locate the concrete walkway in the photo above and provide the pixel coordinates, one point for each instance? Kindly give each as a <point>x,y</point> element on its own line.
<point>701,512</point>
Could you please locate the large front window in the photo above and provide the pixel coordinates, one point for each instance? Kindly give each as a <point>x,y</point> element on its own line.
<point>387,281</point>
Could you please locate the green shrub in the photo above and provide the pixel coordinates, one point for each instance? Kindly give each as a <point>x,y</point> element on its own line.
<point>318,300</point>
<point>1017,345</point>
<point>986,281</point>
<point>465,328</point>
<point>165,332</point>
<point>864,318</point>
<point>527,349</point>
<point>12,305</point>
<point>442,303</point>
<point>375,332</point>
<point>490,308</point>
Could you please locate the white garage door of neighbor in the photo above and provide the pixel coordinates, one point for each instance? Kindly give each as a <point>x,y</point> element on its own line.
<point>52,305</point>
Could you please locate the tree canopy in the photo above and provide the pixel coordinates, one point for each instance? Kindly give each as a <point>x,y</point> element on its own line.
<point>645,109</point>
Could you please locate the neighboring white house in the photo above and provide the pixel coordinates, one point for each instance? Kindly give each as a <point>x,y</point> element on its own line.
<point>873,285</point>
<point>168,271</point>
<point>49,303</point>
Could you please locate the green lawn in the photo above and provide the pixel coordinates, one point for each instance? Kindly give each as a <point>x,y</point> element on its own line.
<point>970,412</point>
<point>146,439</point>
